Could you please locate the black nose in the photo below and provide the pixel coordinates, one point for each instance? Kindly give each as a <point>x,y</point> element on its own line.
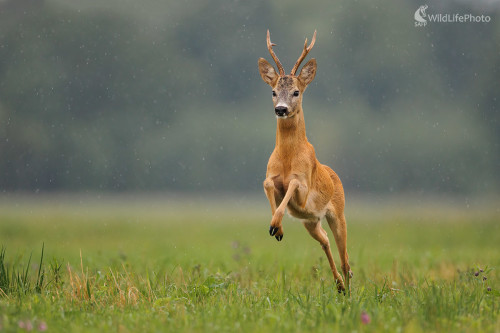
<point>281,110</point>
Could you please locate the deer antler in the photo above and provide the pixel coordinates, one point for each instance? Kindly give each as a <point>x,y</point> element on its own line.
<point>304,53</point>
<point>276,60</point>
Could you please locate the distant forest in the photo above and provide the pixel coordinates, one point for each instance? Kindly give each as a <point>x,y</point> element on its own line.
<point>115,99</point>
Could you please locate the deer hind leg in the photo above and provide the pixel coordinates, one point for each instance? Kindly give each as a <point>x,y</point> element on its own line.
<point>339,229</point>
<point>318,233</point>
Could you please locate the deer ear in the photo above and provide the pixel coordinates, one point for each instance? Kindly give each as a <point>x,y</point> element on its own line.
<point>308,72</point>
<point>267,72</point>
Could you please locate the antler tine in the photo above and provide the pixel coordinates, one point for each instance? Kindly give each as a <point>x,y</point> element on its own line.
<point>304,53</point>
<point>276,60</point>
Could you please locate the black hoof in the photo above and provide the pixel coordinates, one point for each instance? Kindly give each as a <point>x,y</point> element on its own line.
<point>272,231</point>
<point>279,238</point>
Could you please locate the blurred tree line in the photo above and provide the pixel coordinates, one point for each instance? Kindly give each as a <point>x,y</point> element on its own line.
<point>126,96</point>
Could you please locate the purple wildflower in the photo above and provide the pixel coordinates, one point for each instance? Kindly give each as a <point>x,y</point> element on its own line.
<point>42,326</point>
<point>25,325</point>
<point>365,318</point>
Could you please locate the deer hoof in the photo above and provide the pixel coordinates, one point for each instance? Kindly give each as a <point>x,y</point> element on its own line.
<point>341,289</point>
<point>273,230</point>
<point>340,286</point>
<point>279,238</point>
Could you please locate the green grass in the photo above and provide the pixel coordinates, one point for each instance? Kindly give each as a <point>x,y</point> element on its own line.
<point>131,265</point>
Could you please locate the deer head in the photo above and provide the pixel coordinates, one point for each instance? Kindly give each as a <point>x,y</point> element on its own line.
<point>288,89</point>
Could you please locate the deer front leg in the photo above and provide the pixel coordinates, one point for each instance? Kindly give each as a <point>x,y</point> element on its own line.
<point>276,228</point>
<point>302,192</point>
<point>269,189</point>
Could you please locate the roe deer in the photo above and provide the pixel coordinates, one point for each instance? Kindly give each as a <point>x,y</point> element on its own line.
<point>295,179</point>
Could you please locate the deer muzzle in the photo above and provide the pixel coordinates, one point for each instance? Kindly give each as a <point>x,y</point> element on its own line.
<point>281,111</point>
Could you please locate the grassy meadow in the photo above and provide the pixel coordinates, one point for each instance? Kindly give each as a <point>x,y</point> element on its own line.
<point>169,264</point>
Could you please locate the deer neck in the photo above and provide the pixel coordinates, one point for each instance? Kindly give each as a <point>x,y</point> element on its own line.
<point>291,134</point>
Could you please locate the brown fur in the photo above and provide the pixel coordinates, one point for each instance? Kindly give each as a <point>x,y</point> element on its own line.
<point>295,179</point>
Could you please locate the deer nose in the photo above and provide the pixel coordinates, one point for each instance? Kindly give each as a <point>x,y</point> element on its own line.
<point>280,110</point>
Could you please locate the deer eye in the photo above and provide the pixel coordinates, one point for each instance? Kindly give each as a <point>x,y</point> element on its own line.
<point>296,93</point>
<point>274,93</point>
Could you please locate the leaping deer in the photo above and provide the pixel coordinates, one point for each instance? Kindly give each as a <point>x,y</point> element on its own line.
<point>295,179</point>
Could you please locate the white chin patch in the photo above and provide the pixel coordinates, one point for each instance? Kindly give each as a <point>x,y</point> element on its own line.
<point>281,117</point>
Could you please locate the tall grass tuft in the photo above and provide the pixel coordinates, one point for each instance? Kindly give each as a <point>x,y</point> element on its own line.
<point>80,285</point>
<point>20,281</point>
<point>23,283</point>
<point>41,273</point>
<point>4,274</point>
